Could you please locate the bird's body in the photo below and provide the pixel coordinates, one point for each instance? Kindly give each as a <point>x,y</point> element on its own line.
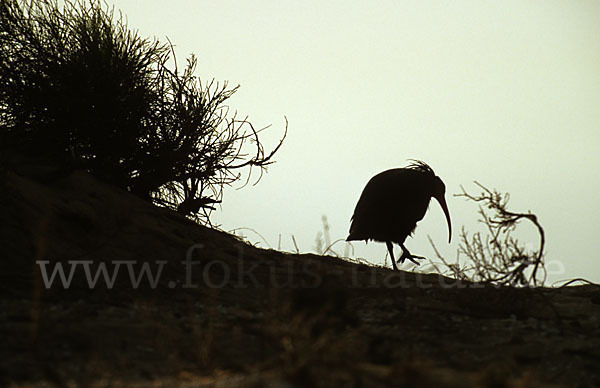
<point>378,215</point>
<point>393,202</point>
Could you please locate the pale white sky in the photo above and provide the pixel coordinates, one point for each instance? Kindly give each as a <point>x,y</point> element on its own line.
<point>506,93</point>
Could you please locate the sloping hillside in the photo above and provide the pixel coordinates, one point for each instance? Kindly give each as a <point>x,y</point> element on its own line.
<point>240,316</point>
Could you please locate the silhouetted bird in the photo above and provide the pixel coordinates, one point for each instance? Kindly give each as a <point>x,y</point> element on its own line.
<point>393,202</point>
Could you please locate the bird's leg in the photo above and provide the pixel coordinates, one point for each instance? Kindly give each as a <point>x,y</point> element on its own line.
<point>407,255</point>
<point>390,248</point>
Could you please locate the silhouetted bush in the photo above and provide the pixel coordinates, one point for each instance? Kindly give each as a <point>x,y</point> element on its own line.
<point>497,257</point>
<point>78,87</point>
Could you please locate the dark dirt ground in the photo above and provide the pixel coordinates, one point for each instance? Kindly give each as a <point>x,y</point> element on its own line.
<point>257,317</point>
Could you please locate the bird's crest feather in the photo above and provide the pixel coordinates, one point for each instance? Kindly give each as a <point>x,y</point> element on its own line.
<point>420,166</point>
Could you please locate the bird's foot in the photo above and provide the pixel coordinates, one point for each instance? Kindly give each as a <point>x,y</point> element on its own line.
<point>410,257</point>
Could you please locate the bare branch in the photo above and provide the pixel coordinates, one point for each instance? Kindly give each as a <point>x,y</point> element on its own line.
<point>497,257</point>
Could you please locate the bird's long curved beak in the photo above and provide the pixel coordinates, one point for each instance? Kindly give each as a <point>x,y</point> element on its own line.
<point>442,202</point>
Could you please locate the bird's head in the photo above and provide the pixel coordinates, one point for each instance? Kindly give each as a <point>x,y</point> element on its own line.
<point>439,192</point>
<point>438,188</point>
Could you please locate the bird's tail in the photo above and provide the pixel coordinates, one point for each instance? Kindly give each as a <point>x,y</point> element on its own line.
<point>354,236</point>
